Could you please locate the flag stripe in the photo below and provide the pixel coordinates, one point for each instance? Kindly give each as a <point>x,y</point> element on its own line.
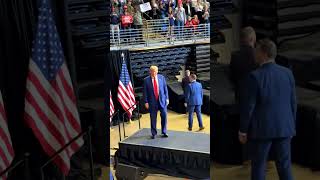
<point>70,116</point>
<point>133,99</point>
<point>2,111</point>
<point>3,166</point>
<point>50,94</point>
<point>39,127</point>
<point>61,159</point>
<point>4,135</point>
<point>50,104</point>
<point>53,126</point>
<point>69,106</point>
<point>125,91</point>
<point>4,154</point>
<point>111,107</point>
<point>67,91</point>
<point>7,146</point>
<point>67,83</point>
<point>43,108</point>
<point>125,99</point>
<point>6,149</point>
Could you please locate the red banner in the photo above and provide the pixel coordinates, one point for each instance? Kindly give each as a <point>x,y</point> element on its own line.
<point>126,19</point>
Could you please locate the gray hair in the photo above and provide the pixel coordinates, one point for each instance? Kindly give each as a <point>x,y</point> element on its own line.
<point>267,46</point>
<point>247,34</point>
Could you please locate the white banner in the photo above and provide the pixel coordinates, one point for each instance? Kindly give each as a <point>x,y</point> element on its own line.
<point>145,7</point>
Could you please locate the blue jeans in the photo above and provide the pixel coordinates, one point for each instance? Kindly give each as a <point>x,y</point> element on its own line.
<point>180,25</point>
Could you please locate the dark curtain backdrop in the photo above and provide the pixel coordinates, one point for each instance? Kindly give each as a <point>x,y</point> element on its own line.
<point>18,21</point>
<point>115,62</point>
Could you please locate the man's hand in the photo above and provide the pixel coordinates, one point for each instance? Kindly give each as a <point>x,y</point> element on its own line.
<point>243,138</point>
<point>185,105</point>
<point>146,105</point>
<point>167,102</point>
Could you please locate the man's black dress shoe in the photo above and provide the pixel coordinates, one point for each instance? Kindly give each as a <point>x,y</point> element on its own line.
<point>152,137</point>
<point>165,135</point>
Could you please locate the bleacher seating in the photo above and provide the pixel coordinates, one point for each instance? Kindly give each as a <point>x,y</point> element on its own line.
<point>169,62</point>
<point>221,22</point>
<point>222,7</point>
<point>283,19</point>
<point>201,62</point>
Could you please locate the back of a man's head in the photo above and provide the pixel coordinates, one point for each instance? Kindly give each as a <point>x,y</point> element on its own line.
<point>193,77</point>
<point>248,36</point>
<point>268,47</point>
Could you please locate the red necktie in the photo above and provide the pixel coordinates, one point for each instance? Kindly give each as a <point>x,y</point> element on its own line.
<point>155,87</point>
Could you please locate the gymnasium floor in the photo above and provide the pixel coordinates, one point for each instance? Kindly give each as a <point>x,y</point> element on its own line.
<point>225,172</point>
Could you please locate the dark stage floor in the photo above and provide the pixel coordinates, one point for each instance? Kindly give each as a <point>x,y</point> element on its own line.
<point>177,140</point>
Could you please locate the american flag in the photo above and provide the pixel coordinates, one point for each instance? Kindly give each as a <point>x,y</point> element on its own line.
<point>50,103</point>
<point>111,107</point>
<point>6,150</point>
<point>125,91</point>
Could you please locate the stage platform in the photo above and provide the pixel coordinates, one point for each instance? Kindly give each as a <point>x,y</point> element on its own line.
<point>182,154</point>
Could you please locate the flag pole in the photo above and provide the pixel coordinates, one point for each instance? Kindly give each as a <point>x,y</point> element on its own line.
<point>26,166</point>
<point>90,152</point>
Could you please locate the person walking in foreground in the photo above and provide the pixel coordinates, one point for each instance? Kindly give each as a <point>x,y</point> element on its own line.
<point>156,99</point>
<point>268,113</point>
<point>193,99</point>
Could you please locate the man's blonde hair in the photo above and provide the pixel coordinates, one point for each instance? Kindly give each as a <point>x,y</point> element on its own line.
<point>153,68</point>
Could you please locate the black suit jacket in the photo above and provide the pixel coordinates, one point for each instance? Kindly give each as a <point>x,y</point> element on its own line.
<point>191,13</point>
<point>241,64</point>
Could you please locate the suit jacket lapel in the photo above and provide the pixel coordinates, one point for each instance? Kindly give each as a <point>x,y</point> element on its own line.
<point>159,85</point>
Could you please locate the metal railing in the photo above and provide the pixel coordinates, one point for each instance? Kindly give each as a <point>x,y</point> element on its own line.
<point>16,165</point>
<point>57,153</point>
<point>158,31</point>
<point>25,160</point>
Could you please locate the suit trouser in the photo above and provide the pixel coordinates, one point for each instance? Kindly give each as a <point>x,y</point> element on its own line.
<point>196,108</point>
<point>153,116</point>
<point>259,150</point>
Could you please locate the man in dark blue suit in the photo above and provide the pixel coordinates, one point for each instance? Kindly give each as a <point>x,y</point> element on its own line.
<point>268,113</point>
<point>193,99</point>
<point>156,98</point>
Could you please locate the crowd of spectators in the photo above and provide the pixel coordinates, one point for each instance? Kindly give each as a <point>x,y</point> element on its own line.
<point>126,14</point>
